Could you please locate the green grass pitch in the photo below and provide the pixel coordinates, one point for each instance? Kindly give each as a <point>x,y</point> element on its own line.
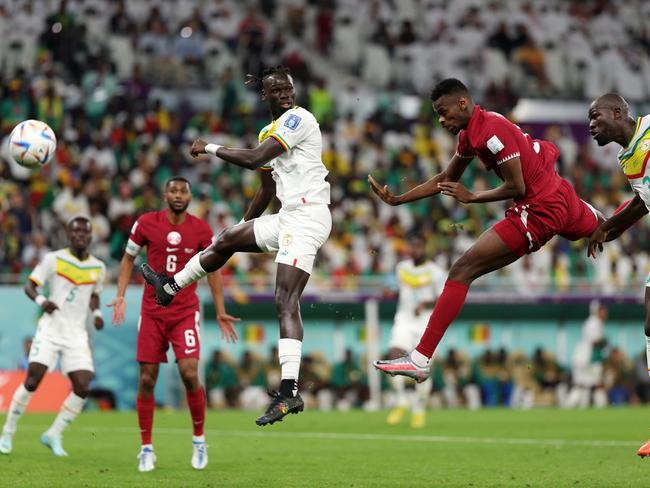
<point>488,448</point>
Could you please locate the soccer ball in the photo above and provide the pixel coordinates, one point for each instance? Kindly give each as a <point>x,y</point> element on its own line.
<point>32,143</point>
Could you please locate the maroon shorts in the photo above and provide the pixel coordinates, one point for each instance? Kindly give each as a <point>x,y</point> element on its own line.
<point>528,226</point>
<point>155,333</point>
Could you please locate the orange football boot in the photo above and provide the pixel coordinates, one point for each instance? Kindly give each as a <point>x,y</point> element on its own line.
<point>644,450</point>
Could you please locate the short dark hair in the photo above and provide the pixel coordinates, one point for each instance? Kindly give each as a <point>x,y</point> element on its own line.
<point>448,86</point>
<point>278,69</point>
<point>177,178</point>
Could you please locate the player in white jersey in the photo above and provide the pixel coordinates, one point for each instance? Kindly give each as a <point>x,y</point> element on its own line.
<point>420,283</point>
<point>610,121</point>
<point>75,279</point>
<point>290,147</point>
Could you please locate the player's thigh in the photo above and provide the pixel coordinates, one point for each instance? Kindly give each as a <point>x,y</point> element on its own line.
<point>489,253</point>
<point>266,230</point>
<point>185,336</point>
<point>303,231</point>
<point>240,237</point>
<point>152,342</point>
<point>582,222</point>
<point>77,357</point>
<point>44,351</point>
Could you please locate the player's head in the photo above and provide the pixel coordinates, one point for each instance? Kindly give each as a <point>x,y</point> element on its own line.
<point>417,244</point>
<point>453,104</point>
<point>79,231</point>
<point>278,89</point>
<point>607,117</point>
<point>178,194</point>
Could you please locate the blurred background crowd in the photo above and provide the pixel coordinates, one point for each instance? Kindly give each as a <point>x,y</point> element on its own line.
<point>127,86</point>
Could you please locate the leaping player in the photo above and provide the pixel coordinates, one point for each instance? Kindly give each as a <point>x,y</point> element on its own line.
<point>171,236</point>
<point>545,205</point>
<point>610,121</point>
<point>289,155</point>
<point>75,278</point>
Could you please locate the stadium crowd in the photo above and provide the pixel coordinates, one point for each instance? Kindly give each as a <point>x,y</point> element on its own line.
<point>127,86</point>
<point>495,378</point>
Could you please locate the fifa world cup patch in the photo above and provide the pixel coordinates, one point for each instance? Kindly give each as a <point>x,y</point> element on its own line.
<point>494,144</point>
<point>292,122</point>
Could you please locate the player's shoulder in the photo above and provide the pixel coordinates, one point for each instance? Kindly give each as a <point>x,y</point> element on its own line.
<point>195,221</point>
<point>296,116</point>
<point>148,217</point>
<point>93,260</point>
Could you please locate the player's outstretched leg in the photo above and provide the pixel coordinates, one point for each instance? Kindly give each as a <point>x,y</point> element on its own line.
<point>159,281</point>
<point>488,254</point>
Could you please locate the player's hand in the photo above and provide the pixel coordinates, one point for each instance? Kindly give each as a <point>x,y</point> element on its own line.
<point>49,306</point>
<point>227,325</point>
<point>119,307</point>
<point>99,323</point>
<point>596,242</point>
<point>456,190</point>
<point>383,192</point>
<point>198,147</point>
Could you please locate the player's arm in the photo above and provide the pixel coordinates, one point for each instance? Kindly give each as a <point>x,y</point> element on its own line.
<point>613,227</point>
<point>119,304</point>
<point>513,186</point>
<point>226,322</point>
<point>98,320</point>
<point>452,173</point>
<point>262,198</point>
<point>31,290</point>
<point>245,158</point>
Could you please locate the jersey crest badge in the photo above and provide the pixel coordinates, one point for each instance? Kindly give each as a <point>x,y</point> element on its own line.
<point>174,238</point>
<point>292,122</point>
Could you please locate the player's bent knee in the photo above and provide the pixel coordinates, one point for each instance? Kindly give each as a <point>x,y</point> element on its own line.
<point>82,391</point>
<point>31,384</point>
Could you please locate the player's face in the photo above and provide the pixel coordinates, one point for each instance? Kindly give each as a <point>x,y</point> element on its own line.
<point>79,234</point>
<point>453,112</point>
<point>279,92</point>
<point>178,196</point>
<point>417,249</point>
<point>602,123</point>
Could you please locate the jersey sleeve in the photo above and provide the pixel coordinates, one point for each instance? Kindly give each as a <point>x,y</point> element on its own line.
<point>501,142</point>
<point>463,149</point>
<point>43,270</point>
<point>261,137</point>
<point>99,284</point>
<point>137,238</point>
<point>206,236</point>
<point>293,127</point>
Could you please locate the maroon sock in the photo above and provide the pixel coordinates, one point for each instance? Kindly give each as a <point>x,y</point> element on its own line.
<point>447,308</point>
<point>145,407</point>
<point>196,404</point>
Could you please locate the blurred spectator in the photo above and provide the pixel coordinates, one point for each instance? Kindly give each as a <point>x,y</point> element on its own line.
<point>221,382</point>
<point>253,381</point>
<point>349,382</point>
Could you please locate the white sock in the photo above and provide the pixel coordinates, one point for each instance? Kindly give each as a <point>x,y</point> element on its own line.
<point>193,271</point>
<point>422,392</point>
<point>19,403</point>
<point>400,390</point>
<point>420,360</point>
<point>147,446</point>
<point>647,352</point>
<point>198,438</point>
<point>70,410</point>
<point>289,352</point>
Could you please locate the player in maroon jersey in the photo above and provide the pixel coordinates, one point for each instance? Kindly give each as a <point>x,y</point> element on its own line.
<point>172,237</point>
<point>545,205</point>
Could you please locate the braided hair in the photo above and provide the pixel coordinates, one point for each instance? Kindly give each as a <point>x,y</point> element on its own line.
<point>271,70</point>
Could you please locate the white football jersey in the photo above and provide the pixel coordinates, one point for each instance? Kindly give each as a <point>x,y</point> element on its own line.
<point>71,283</point>
<point>299,173</point>
<point>417,284</point>
<point>634,159</point>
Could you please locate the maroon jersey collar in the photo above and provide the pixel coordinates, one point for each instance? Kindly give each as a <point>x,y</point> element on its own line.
<point>473,120</point>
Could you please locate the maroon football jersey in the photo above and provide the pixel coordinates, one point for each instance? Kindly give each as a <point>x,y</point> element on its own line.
<point>494,140</point>
<point>169,248</point>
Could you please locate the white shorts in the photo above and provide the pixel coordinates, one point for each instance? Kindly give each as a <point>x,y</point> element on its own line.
<point>73,358</point>
<point>296,235</point>
<point>407,330</point>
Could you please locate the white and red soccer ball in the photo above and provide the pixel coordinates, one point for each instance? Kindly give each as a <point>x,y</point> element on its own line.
<point>32,144</point>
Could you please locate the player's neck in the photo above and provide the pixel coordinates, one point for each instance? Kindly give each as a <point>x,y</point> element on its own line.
<point>278,113</point>
<point>419,262</point>
<point>627,133</point>
<point>80,254</point>
<point>175,218</point>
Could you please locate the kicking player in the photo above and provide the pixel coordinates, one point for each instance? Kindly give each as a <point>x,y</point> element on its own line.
<point>420,284</point>
<point>546,205</point>
<point>289,153</point>
<point>171,236</point>
<point>610,121</point>
<point>75,279</point>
